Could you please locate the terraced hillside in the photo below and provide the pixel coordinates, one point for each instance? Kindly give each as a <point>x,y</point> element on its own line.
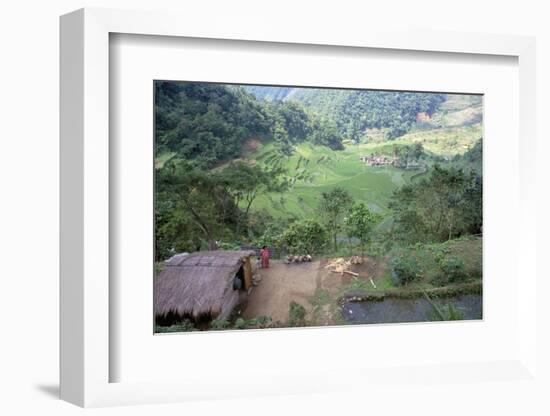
<point>315,169</point>
<point>453,130</point>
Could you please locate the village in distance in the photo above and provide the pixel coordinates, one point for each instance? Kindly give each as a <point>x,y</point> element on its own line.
<point>284,207</point>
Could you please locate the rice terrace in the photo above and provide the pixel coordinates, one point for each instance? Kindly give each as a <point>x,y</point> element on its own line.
<point>281,207</point>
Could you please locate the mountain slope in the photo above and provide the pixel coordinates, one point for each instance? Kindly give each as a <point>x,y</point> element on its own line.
<point>354,111</point>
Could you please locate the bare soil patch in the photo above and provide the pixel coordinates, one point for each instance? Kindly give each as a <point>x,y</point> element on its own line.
<point>312,285</point>
<point>250,146</point>
<point>280,284</point>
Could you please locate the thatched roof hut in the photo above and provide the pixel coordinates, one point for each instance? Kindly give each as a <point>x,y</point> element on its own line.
<point>202,284</point>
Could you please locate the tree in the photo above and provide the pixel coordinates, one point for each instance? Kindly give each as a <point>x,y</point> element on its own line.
<point>205,123</point>
<point>360,223</point>
<point>445,205</point>
<point>245,181</point>
<point>307,237</point>
<point>198,195</point>
<point>333,205</point>
<point>325,132</point>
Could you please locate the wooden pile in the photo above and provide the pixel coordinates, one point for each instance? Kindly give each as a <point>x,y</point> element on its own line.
<point>297,259</point>
<point>342,265</point>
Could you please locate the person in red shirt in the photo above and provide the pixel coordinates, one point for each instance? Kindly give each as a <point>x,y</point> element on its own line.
<point>264,254</point>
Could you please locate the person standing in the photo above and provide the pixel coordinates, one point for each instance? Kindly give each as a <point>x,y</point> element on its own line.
<point>264,254</point>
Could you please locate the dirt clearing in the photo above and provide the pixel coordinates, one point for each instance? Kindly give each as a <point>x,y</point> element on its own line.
<point>310,284</point>
<point>280,284</point>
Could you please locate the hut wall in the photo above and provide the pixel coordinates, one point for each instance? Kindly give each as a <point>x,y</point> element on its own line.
<point>230,300</point>
<point>247,266</point>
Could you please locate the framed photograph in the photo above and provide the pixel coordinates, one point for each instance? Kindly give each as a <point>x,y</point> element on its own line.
<point>309,195</point>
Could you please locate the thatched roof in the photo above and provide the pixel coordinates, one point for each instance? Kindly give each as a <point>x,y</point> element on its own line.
<point>195,284</point>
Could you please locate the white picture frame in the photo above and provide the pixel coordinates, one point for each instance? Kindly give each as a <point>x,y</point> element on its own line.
<point>85,212</point>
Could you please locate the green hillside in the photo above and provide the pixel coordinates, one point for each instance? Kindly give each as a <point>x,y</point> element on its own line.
<point>322,169</point>
<point>447,141</point>
<point>357,110</point>
<point>233,161</point>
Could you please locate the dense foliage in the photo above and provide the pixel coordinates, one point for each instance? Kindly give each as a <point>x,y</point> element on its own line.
<point>205,123</point>
<point>333,206</point>
<point>296,314</point>
<point>208,123</point>
<point>405,269</point>
<point>453,269</point>
<point>447,204</point>
<point>196,208</point>
<point>307,237</point>
<point>360,224</point>
<point>353,111</point>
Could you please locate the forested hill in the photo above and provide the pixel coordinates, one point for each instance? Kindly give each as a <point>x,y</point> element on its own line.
<point>205,123</point>
<point>209,123</point>
<point>357,110</point>
<point>271,93</point>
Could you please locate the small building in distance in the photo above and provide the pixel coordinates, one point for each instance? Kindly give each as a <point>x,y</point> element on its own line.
<point>204,284</point>
<point>380,160</point>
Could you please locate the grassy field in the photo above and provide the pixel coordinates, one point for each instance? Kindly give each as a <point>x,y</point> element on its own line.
<point>429,258</point>
<point>446,141</point>
<point>318,169</point>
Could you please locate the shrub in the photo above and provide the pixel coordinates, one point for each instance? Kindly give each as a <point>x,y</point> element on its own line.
<point>261,322</point>
<point>307,237</point>
<point>405,269</point>
<point>184,326</point>
<point>454,269</point>
<point>218,324</point>
<point>240,323</point>
<point>231,245</point>
<point>296,314</point>
<point>269,235</point>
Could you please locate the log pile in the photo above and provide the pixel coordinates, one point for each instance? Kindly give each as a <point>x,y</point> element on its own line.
<point>342,265</point>
<point>297,259</point>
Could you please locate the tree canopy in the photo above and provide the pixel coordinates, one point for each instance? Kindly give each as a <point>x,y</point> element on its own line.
<point>447,204</point>
<point>353,111</point>
<point>333,205</point>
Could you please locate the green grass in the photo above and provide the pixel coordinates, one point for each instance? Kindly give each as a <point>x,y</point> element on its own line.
<point>325,309</point>
<point>459,102</point>
<point>429,256</point>
<point>445,142</point>
<point>319,169</point>
<point>383,284</point>
<point>469,250</point>
<point>325,170</point>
